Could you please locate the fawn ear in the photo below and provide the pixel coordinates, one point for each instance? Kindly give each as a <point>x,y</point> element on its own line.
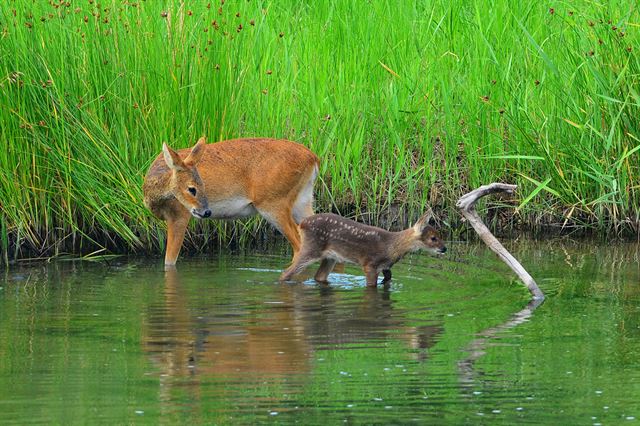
<point>196,153</point>
<point>422,223</point>
<point>172,158</point>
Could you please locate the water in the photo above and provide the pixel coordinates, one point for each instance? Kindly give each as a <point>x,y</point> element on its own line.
<point>220,341</point>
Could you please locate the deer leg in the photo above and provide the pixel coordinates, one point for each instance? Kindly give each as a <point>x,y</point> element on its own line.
<point>298,265</point>
<point>386,273</point>
<point>372,276</point>
<point>176,229</point>
<point>282,219</point>
<point>324,270</point>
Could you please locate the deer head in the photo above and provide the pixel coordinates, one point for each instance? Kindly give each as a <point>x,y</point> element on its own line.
<point>429,238</point>
<point>186,184</point>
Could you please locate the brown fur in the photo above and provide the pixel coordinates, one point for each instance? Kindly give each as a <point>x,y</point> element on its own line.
<point>232,179</point>
<point>332,238</point>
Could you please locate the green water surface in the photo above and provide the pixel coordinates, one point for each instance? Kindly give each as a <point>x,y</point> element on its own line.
<point>221,341</point>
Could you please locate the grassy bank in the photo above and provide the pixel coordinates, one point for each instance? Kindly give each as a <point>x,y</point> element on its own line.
<point>407,103</point>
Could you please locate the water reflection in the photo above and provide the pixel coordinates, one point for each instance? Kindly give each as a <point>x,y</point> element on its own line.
<point>222,342</point>
<point>477,348</point>
<point>277,339</point>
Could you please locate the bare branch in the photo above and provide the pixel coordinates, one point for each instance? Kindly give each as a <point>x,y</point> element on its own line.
<point>466,204</point>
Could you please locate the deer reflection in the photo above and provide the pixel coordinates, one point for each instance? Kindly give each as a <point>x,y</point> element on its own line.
<point>230,342</point>
<point>370,320</point>
<point>236,343</point>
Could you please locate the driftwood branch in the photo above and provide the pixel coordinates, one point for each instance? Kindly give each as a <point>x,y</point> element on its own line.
<point>467,207</point>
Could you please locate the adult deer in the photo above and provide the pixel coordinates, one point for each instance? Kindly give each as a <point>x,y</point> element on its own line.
<point>230,180</point>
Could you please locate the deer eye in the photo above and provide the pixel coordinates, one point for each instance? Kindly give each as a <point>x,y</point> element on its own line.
<point>192,191</point>
<point>434,239</point>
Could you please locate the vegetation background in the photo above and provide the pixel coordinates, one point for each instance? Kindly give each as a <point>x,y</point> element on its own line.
<point>407,103</point>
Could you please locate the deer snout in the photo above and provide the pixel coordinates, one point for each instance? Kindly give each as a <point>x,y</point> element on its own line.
<point>442,250</point>
<point>201,213</point>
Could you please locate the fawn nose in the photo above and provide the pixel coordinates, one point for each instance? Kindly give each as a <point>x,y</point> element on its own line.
<point>207,213</point>
<point>443,250</point>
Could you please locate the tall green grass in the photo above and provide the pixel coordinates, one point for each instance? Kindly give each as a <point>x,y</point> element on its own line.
<point>407,103</point>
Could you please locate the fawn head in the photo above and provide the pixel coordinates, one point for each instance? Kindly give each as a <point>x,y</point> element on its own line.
<point>186,184</point>
<point>428,237</point>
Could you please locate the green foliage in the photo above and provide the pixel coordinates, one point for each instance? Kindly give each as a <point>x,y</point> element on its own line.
<point>408,104</point>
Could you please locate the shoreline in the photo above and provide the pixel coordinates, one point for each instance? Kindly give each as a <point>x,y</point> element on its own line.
<point>255,232</point>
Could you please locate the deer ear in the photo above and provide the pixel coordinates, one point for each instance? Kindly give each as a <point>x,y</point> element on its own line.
<point>196,153</point>
<point>172,158</point>
<point>422,223</point>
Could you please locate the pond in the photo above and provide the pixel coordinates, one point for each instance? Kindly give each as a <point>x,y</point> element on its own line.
<point>221,341</point>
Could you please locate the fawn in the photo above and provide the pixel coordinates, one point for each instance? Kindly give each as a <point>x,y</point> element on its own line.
<point>230,180</point>
<point>332,238</point>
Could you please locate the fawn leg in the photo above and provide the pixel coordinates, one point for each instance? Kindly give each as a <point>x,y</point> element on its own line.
<point>324,270</point>
<point>372,275</point>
